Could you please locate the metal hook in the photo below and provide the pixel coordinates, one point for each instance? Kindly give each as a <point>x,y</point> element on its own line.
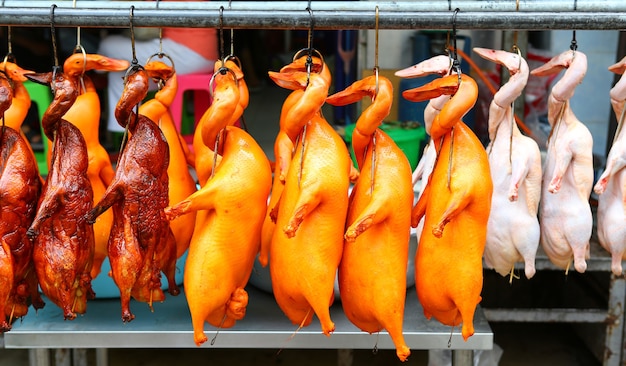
<point>222,70</point>
<point>309,60</point>
<point>221,32</point>
<point>160,33</point>
<point>232,35</point>
<point>53,36</point>
<point>77,30</point>
<point>376,57</point>
<point>134,61</point>
<point>455,58</point>
<point>574,45</point>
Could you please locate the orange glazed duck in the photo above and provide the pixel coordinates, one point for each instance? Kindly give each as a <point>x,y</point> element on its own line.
<point>308,240</point>
<point>299,101</point>
<point>372,273</point>
<point>222,251</point>
<point>138,244</point>
<point>230,98</point>
<point>64,240</point>
<point>181,183</point>
<point>20,187</point>
<point>455,204</point>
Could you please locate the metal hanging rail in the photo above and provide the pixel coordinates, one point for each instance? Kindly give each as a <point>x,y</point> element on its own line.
<point>428,14</point>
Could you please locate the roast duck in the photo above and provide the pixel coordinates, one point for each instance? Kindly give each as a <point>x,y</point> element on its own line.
<point>611,185</point>
<point>564,211</point>
<point>299,100</point>
<point>16,114</point>
<point>230,206</point>
<point>372,272</point>
<point>181,183</point>
<point>63,240</point>
<point>307,242</point>
<point>139,245</point>
<point>230,99</point>
<point>85,114</point>
<point>20,187</point>
<point>515,160</point>
<point>455,203</point>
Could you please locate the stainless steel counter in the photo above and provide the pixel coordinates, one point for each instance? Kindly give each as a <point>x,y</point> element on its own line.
<point>265,326</point>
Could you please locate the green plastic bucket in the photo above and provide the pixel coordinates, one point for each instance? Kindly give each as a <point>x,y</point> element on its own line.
<point>410,138</point>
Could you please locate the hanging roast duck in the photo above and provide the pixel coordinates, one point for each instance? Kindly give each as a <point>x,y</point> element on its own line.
<point>564,211</point>
<point>455,203</point>
<point>64,240</point>
<point>138,245</point>
<point>85,114</point>
<point>307,242</point>
<point>611,186</point>
<point>230,98</point>
<point>20,186</point>
<point>372,272</point>
<point>515,160</point>
<point>222,253</point>
<point>181,183</point>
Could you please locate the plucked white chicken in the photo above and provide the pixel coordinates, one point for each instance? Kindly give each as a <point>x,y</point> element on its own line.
<point>611,186</point>
<point>564,211</point>
<point>515,161</point>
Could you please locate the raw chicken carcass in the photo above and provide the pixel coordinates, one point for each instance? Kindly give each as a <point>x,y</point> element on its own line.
<point>515,161</point>
<point>85,114</point>
<point>372,272</point>
<point>307,243</point>
<point>564,211</point>
<point>222,251</point>
<point>611,186</point>
<point>138,243</point>
<point>455,205</point>
<point>20,187</point>
<point>64,240</point>
<point>181,183</point>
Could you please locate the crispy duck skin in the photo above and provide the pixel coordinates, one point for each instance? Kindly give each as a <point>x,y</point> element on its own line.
<point>85,114</point>
<point>20,187</point>
<point>138,196</point>
<point>181,183</point>
<point>63,240</point>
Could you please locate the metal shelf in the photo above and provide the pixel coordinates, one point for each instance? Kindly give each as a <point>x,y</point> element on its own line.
<point>265,326</point>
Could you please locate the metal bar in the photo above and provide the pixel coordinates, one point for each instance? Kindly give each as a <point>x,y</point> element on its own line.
<point>346,15</point>
<point>462,358</point>
<point>609,6</point>
<point>615,326</point>
<point>548,315</point>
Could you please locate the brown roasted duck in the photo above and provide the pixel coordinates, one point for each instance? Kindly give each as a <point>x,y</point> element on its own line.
<point>181,184</point>
<point>20,187</point>
<point>138,243</point>
<point>379,219</point>
<point>85,114</point>
<point>64,240</point>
